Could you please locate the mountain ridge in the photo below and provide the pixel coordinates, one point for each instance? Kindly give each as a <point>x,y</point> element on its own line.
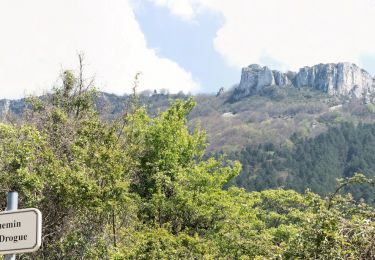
<point>335,79</point>
<point>272,114</point>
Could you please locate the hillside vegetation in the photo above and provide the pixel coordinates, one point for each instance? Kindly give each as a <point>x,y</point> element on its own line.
<point>313,163</point>
<point>140,187</point>
<point>272,116</point>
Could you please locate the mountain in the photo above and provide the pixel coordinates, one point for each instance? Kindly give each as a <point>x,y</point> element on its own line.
<point>341,79</point>
<point>270,116</point>
<point>109,106</point>
<point>10,108</point>
<point>274,120</point>
<point>270,106</point>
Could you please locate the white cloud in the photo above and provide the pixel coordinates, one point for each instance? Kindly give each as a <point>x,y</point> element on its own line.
<point>292,33</point>
<point>182,8</point>
<point>39,38</point>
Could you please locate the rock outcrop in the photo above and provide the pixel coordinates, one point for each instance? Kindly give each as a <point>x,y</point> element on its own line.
<point>336,79</point>
<point>345,79</point>
<point>255,77</point>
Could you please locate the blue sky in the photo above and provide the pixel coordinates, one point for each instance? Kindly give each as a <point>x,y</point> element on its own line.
<point>180,45</point>
<point>190,44</point>
<point>367,61</point>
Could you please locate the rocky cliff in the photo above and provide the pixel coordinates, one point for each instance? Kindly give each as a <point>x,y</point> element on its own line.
<point>11,107</point>
<point>345,79</point>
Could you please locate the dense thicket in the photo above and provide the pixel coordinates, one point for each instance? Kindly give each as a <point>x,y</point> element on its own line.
<point>139,188</point>
<point>313,163</point>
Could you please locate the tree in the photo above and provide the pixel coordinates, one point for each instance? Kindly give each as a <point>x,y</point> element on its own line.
<point>141,187</point>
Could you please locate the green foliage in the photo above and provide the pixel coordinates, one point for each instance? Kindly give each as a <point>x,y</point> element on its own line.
<point>24,156</point>
<point>313,163</point>
<point>140,187</point>
<point>169,147</point>
<point>342,230</point>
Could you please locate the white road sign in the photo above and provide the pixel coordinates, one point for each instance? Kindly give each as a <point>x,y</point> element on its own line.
<point>20,231</point>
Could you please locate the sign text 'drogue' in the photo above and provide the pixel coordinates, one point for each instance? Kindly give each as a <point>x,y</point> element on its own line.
<point>20,231</point>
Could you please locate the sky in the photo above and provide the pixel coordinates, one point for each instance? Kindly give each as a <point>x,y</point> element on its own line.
<point>179,45</point>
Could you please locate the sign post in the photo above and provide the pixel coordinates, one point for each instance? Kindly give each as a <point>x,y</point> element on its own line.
<point>20,230</point>
<point>12,204</point>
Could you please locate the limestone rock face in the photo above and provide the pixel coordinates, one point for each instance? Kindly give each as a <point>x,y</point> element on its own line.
<point>334,79</point>
<point>281,79</point>
<point>255,77</point>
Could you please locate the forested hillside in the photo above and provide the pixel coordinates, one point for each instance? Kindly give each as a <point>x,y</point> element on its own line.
<point>267,132</point>
<point>313,163</point>
<point>140,187</point>
<point>271,116</point>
